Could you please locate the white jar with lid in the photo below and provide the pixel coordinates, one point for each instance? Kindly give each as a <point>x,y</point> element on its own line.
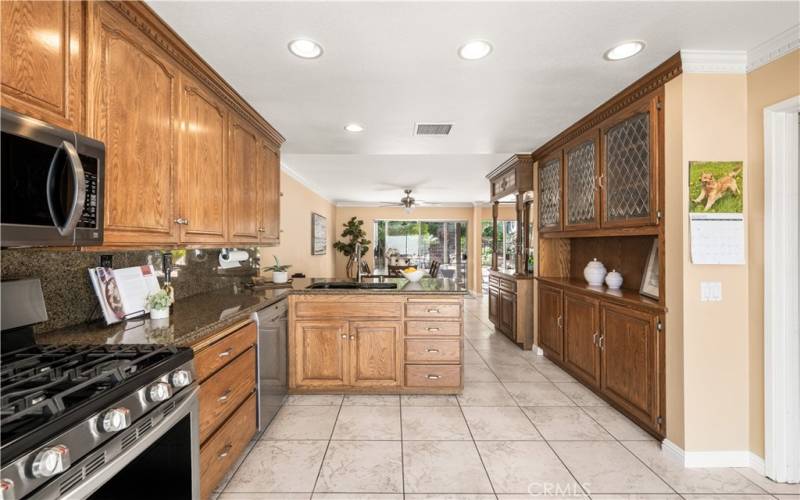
<point>614,280</point>
<point>594,273</point>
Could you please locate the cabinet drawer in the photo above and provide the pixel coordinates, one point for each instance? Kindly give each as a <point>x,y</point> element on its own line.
<point>494,281</point>
<point>436,328</point>
<point>212,358</point>
<point>218,455</point>
<point>508,285</point>
<point>433,375</point>
<point>433,310</point>
<point>433,350</point>
<point>347,310</point>
<point>222,393</point>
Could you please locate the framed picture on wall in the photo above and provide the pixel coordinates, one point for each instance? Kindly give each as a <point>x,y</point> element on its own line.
<point>650,278</point>
<point>319,234</point>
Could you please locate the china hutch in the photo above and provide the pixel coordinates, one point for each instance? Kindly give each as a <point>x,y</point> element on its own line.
<point>511,288</point>
<point>600,194</point>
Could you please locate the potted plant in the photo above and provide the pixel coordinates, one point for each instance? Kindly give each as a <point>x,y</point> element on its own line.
<point>356,234</point>
<point>279,271</point>
<point>158,304</point>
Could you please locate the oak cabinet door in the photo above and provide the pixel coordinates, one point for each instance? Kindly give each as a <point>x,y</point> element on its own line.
<point>269,172</point>
<point>550,194</point>
<point>581,323</point>
<point>494,304</point>
<point>581,196</point>
<point>202,178</point>
<point>375,352</point>
<point>630,361</point>
<point>321,353</point>
<point>134,110</point>
<point>508,314</point>
<point>551,338</point>
<point>40,59</point>
<point>629,168</point>
<point>243,209</point>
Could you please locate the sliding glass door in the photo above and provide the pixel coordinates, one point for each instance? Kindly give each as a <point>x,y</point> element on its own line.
<point>420,243</point>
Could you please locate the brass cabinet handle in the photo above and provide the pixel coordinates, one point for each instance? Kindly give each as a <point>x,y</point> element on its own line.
<point>226,352</point>
<point>352,337</point>
<point>225,396</point>
<point>431,376</point>
<point>432,350</point>
<point>432,329</point>
<point>433,311</point>
<point>601,342</point>
<point>344,336</point>
<point>225,451</point>
<point>182,221</point>
<point>594,338</point>
<point>560,322</point>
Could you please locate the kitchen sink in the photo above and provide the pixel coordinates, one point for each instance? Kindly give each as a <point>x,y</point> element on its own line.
<point>351,285</point>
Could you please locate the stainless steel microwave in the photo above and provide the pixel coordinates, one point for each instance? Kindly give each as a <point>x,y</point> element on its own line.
<point>52,184</point>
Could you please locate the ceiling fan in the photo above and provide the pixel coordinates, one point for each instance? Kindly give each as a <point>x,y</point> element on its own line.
<point>408,202</point>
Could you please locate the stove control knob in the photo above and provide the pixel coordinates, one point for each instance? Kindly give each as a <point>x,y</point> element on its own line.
<point>116,419</point>
<point>160,391</point>
<point>180,378</point>
<point>51,461</point>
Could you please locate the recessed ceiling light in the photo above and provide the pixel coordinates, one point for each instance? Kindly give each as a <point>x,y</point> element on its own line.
<point>354,127</point>
<point>305,48</point>
<point>475,49</point>
<point>624,50</point>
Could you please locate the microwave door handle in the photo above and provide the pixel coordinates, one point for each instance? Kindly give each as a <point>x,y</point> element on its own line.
<point>79,195</point>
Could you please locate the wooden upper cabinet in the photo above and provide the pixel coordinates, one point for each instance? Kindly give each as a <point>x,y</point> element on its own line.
<point>630,361</point>
<point>551,337</point>
<point>203,166</point>
<point>581,333</point>
<point>244,213</point>
<point>630,159</point>
<point>375,353</point>
<point>550,206</point>
<point>41,60</point>
<point>321,353</point>
<point>133,110</point>
<point>581,196</point>
<point>269,190</point>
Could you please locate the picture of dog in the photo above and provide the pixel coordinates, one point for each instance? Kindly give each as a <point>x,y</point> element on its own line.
<point>712,189</point>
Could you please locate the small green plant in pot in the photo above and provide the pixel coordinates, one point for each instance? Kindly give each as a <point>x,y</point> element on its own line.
<point>279,271</point>
<point>158,304</point>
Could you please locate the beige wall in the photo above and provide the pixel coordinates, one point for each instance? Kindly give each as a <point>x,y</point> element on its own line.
<point>370,214</point>
<point>767,85</point>
<point>297,203</point>
<point>505,211</point>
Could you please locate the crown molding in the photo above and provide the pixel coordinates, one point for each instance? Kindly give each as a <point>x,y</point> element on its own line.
<point>714,61</point>
<point>305,182</point>
<point>774,48</point>
<point>372,204</point>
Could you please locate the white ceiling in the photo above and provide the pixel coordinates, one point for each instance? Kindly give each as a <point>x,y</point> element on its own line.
<point>388,65</point>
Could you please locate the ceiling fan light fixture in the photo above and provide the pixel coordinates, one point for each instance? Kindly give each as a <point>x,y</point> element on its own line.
<point>354,127</point>
<point>474,50</point>
<point>305,48</point>
<point>624,50</point>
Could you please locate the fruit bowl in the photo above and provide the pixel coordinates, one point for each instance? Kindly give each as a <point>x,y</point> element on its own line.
<point>413,276</point>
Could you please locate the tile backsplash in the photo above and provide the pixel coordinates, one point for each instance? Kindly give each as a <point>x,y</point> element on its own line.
<point>68,293</point>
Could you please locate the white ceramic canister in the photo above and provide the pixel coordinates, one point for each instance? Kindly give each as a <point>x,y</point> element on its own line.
<point>594,273</point>
<point>614,280</point>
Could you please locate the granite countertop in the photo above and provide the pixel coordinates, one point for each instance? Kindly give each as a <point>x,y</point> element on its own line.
<point>198,316</point>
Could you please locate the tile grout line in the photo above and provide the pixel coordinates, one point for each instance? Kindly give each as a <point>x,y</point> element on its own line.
<point>477,450</point>
<point>402,450</point>
<point>327,446</point>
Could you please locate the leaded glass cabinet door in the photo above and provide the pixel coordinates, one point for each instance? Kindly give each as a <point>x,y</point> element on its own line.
<point>629,174</point>
<point>580,183</point>
<point>550,194</point>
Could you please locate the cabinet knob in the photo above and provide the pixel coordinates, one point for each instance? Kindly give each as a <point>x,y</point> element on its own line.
<point>352,337</point>
<point>436,311</point>
<point>431,376</point>
<point>432,329</point>
<point>344,336</point>
<point>560,321</point>
<point>432,350</point>
<point>182,221</point>
<point>225,353</point>
<point>225,451</point>
<point>261,230</point>
<point>225,396</point>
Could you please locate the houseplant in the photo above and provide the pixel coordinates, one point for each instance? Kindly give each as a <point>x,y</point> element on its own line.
<point>158,304</point>
<point>279,271</point>
<point>354,233</point>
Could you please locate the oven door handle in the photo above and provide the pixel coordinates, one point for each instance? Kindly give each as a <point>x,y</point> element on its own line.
<point>79,194</point>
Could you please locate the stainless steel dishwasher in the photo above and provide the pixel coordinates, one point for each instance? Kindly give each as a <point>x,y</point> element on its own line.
<point>272,363</point>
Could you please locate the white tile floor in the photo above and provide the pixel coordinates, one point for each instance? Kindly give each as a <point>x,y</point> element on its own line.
<point>522,428</point>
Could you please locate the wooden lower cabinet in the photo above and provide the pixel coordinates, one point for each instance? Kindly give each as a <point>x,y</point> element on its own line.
<point>494,304</point>
<point>632,362</point>
<point>510,308</point>
<point>219,454</point>
<point>551,335</point>
<point>581,334</point>
<point>321,353</point>
<point>508,313</point>
<point>375,353</point>
<point>222,393</point>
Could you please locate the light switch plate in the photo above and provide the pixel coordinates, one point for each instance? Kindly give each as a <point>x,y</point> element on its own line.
<point>710,291</point>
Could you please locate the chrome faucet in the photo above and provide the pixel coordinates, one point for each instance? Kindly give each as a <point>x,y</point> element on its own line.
<point>357,253</point>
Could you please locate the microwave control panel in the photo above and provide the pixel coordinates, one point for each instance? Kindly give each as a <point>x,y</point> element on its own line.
<point>89,215</point>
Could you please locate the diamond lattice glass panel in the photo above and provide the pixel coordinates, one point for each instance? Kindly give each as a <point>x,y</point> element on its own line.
<point>550,193</point>
<point>627,181</point>
<point>581,183</point>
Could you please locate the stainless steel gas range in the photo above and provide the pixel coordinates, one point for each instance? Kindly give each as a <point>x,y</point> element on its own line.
<point>99,422</point>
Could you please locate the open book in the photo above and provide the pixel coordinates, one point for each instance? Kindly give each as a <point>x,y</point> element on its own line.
<point>122,293</point>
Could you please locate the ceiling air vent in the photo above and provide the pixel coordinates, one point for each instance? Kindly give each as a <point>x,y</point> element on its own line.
<point>433,128</point>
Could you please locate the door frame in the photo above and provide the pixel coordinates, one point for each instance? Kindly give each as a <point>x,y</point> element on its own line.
<point>781,319</point>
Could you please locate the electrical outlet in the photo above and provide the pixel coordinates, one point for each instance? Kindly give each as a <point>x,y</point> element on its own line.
<point>710,291</point>
<point>106,260</point>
